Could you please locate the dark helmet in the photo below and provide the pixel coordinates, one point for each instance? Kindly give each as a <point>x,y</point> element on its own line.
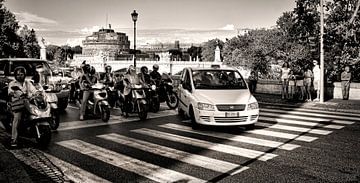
<point>156,66</point>
<point>86,68</point>
<point>108,68</point>
<point>92,70</point>
<point>144,69</point>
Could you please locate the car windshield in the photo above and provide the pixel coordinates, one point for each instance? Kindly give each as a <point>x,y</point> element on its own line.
<point>218,79</point>
<point>31,67</point>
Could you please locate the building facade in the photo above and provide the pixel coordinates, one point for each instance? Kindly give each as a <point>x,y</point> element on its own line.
<point>106,41</point>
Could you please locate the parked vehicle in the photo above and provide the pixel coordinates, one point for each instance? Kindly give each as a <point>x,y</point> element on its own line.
<point>216,96</point>
<point>35,121</point>
<point>138,102</point>
<point>97,104</point>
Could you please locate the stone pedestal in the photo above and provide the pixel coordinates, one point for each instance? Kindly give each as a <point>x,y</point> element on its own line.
<point>43,53</point>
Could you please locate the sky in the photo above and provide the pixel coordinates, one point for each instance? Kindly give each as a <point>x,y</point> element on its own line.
<point>189,21</point>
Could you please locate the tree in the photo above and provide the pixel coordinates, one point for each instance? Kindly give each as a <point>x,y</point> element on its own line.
<point>10,42</point>
<point>30,43</point>
<point>194,52</point>
<point>208,49</point>
<point>77,49</point>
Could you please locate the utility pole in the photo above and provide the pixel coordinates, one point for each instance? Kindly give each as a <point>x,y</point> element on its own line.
<point>322,72</point>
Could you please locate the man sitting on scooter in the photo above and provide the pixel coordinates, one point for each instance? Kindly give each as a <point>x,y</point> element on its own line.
<point>88,79</point>
<point>75,75</point>
<point>144,76</point>
<point>25,88</point>
<point>155,75</point>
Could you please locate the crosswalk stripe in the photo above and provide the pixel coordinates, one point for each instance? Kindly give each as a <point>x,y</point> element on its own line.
<point>238,138</point>
<point>194,159</point>
<point>296,122</point>
<point>139,167</point>
<point>283,135</point>
<point>293,128</point>
<point>315,111</point>
<point>313,115</point>
<point>305,118</point>
<point>248,153</point>
<point>73,172</point>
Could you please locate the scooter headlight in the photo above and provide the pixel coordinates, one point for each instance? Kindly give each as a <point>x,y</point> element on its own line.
<point>153,87</point>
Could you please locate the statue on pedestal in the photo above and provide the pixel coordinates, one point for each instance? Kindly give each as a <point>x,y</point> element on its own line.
<point>42,49</point>
<point>217,52</point>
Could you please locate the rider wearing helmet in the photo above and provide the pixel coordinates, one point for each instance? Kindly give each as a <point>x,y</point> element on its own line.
<point>155,75</point>
<point>144,76</point>
<point>86,81</point>
<point>108,77</point>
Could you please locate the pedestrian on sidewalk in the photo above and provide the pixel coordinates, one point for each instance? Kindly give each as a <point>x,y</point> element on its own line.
<point>308,82</point>
<point>253,78</point>
<point>292,86</point>
<point>300,75</point>
<point>284,75</point>
<point>345,82</point>
<point>316,81</point>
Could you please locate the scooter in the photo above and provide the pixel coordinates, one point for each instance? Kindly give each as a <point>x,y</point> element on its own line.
<point>137,103</point>
<point>112,95</point>
<point>52,99</point>
<point>153,98</point>
<point>97,104</point>
<point>166,94</point>
<point>34,122</point>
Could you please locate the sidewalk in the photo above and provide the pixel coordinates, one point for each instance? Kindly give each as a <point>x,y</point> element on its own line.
<point>339,105</point>
<point>11,169</point>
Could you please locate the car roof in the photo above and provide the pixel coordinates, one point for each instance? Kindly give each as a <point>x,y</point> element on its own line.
<point>209,68</point>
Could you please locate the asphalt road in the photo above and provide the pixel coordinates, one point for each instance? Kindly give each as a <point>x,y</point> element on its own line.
<point>287,145</point>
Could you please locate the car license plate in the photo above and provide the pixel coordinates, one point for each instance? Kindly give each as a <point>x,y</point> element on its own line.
<point>232,114</point>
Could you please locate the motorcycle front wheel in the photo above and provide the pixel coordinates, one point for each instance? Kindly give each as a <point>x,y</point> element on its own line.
<point>172,100</point>
<point>142,111</point>
<point>45,136</point>
<point>105,113</point>
<point>55,119</point>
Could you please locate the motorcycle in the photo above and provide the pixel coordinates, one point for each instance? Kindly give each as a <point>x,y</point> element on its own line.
<point>153,98</point>
<point>112,94</point>
<point>137,103</point>
<point>34,122</point>
<point>166,94</point>
<point>97,104</point>
<point>52,99</point>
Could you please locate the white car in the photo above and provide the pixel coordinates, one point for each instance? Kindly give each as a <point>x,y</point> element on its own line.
<point>218,97</point>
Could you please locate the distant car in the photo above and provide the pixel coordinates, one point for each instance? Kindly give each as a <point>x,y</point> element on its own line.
<point>217,97</point>
<point>32,65</point>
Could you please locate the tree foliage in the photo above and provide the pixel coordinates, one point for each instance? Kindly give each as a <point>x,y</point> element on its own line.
<point>30,43</point>
<point>208,49</point>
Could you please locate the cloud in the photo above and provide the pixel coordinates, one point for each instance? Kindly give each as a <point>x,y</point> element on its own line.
<point>90,30</point>
<point>74,41</point>
<point>228,27</point>
<point>33,20</point>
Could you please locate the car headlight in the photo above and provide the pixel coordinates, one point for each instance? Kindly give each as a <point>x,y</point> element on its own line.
<point>205,106</point>
<point>253,106</point>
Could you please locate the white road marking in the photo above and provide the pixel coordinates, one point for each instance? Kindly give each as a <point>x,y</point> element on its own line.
<point>316,110</point>
<point>139,167</point>
<point>296,129</point>
<point>325,120</point>
<point>194,159</point>
<point>341,118</point>
<point>248,153</point>
<point>73,172</point>
<point>238,138</point>
<point>296,122</point>
<point>283,135</point>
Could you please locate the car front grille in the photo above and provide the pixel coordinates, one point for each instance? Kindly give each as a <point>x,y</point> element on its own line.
<point>253,117</point>
<point>231,120</point>
<point>237,107</point>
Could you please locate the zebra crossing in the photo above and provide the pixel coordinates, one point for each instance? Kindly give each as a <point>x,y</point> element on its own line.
<point>279,129</point>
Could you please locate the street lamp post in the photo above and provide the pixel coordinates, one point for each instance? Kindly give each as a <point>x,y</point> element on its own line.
<point>322,72</point>
<point>134,17</point>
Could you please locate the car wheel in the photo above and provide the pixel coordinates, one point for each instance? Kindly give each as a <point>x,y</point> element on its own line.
<point>194,124</point>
